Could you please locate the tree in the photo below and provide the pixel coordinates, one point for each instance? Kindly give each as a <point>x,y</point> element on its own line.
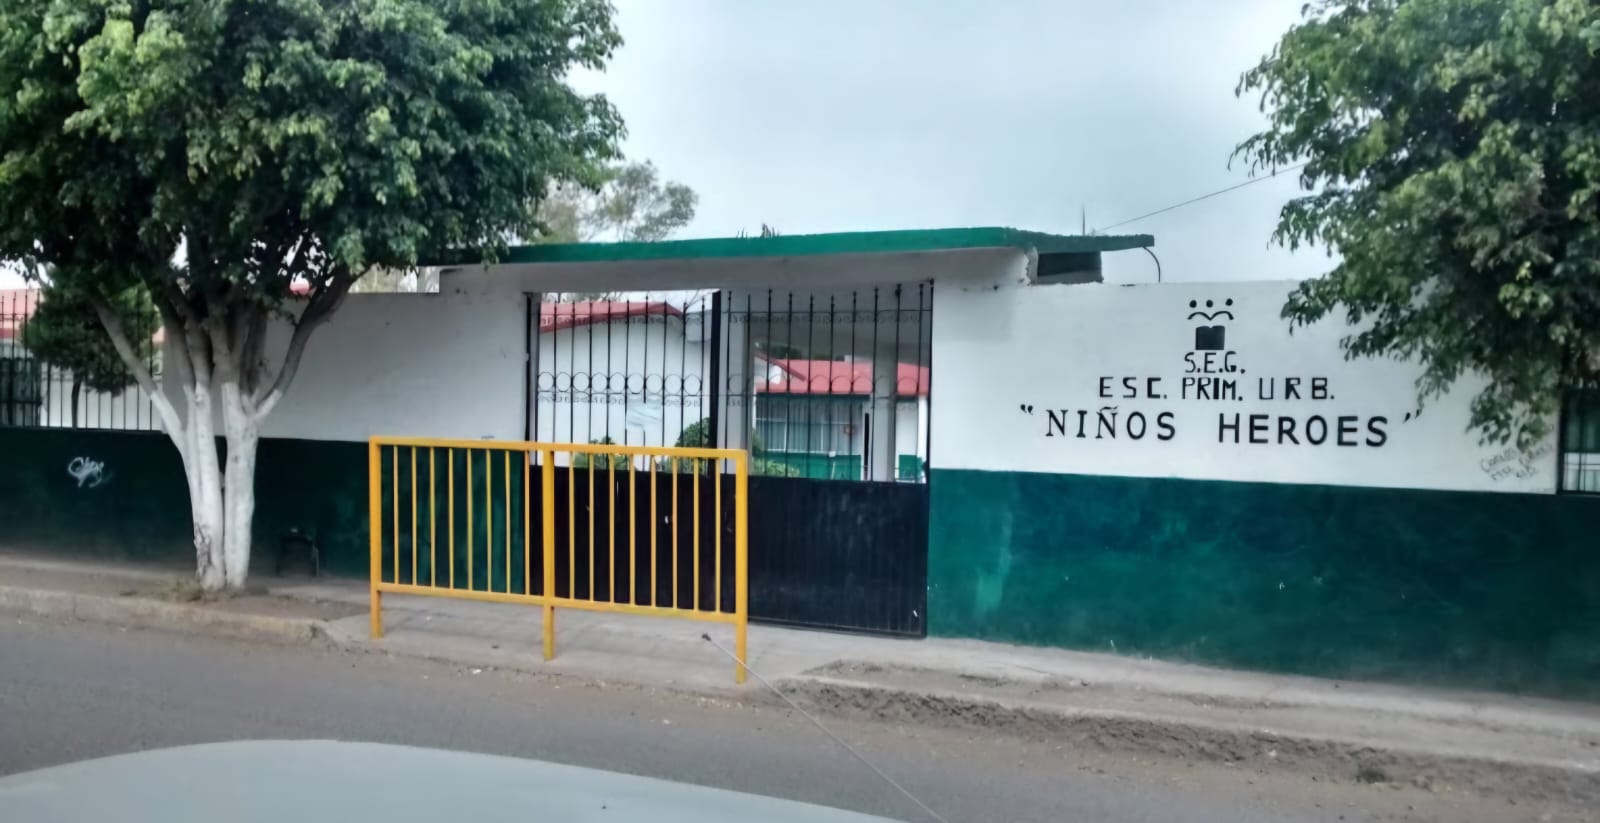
<point>697,435</point>
<point>615,461</point>
<point>629,204</point>
<point>65,332</point>
<point>1452,152</point>
<point>765,231</point>
<point>245,163</point>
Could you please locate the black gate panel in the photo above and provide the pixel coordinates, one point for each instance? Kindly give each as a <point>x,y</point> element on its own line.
<point>610,528</point>
<point>839,554</point>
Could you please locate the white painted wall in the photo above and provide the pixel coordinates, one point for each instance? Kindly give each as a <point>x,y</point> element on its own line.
<point>429,365</point>
<point>1027,373</point>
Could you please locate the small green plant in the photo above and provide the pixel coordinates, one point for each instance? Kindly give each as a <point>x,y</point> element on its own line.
<point>773,468</point>
<point>615,461</point>
<point>696,435</point>
<point>1368,773</point>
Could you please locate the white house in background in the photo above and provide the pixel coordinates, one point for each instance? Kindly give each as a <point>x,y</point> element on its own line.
<point>633,371</point>
<point>816,415</point>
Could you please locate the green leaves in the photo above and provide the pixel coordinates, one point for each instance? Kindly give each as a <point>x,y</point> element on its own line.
<point>626,202</point>
<point>1453,168</point>
<point>281,139</point>
<point>65,332</point>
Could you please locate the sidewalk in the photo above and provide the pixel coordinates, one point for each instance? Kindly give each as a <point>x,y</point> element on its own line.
<point>1434,738</point>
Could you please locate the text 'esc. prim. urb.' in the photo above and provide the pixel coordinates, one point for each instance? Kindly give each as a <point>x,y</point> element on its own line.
<point>1212,374</point>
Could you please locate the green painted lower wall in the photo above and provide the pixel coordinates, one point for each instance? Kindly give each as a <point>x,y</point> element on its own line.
<point>1498,591</point>
<point>139,510</point>
<point>316,485</point>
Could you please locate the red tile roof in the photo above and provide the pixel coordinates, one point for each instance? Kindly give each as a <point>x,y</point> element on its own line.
<point>835,377</point>
<point>16,306</point>
<point>556,316</point>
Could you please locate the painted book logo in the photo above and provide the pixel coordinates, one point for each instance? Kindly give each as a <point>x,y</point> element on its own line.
<point>1213,337</point>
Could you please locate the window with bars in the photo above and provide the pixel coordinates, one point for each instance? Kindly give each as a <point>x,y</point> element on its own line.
<point>1580,443</point>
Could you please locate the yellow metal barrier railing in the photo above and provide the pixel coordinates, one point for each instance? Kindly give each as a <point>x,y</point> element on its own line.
<point>573,499</point>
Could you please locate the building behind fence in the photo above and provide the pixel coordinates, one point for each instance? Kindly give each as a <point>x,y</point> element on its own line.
<point>37,393</point>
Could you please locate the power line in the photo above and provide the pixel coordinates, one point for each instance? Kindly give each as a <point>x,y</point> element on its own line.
<point>1194,200</point>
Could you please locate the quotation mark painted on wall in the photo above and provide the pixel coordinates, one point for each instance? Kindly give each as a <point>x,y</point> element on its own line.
<point>89,473</point>
<point>1026,408</point>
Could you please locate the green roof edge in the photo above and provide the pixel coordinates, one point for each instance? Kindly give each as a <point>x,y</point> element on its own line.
<point>808,245</point>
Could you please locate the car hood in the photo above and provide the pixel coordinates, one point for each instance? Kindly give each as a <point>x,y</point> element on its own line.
<point>317,781</point>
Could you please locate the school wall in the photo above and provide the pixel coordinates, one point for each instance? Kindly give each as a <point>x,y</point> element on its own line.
<point>1375,543</point>
<point>121,495</point>
<point>1105,480</point>
<point>445,364</point>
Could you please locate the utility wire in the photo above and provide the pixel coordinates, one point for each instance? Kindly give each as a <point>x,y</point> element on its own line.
<point>815,722</point>
<point>1194,200</point>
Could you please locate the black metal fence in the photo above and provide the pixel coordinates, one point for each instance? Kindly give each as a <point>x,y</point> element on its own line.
<point>830,392</point>
<point>839,384</point>
<point>627,369</point>
<point>36,391</point>
<point>821,384</point>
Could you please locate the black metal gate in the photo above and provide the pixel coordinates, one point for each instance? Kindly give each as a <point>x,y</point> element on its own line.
<point>839,554</point>
<point>829,391</point>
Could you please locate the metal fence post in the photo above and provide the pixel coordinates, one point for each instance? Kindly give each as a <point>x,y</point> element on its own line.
<point>741,559</point>
<point>547,513</point>
<point>374,537</point>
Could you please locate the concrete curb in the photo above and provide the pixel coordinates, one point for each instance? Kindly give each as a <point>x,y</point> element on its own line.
<point>155,614</point>
<point>358,642</point>
<point>1136,733</point>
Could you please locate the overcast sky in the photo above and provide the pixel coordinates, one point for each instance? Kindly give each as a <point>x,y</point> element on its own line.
<point>844,115</point>
<point>839,115</point>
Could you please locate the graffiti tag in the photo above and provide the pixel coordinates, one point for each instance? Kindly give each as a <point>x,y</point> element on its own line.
<point>89,473</point>
<point>1513,462</point>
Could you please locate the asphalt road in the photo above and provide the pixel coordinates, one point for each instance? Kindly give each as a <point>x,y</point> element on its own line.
<point>76,691</point>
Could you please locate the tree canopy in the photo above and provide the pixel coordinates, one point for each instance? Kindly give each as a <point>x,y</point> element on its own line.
<point>631,204</point>
<point>65,332</point>
<point>246,162</point>
<point>1452,152</point>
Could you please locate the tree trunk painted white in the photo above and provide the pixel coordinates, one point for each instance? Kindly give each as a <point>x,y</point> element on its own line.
<point>242,432</point>
<point>205,490</point>
<point>217,360</point>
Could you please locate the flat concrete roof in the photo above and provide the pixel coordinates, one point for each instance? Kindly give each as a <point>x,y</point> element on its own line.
<point>813,245</point>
